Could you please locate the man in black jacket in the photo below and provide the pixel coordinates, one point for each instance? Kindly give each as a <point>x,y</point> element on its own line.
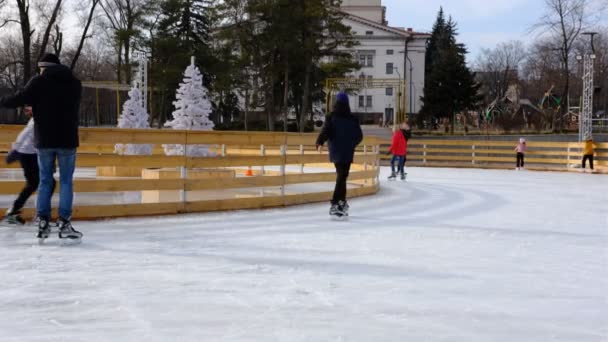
<point>343,132</point>
<point>54,96</point>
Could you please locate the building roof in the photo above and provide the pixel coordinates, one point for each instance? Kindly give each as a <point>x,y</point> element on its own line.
<point>395,30</point>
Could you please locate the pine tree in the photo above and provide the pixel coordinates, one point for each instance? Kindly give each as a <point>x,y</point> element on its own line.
<point>192,109</point>
<point>134,116</point>
<point>450,85</point>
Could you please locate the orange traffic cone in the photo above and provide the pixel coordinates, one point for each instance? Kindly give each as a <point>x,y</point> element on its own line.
<point>249,172</point>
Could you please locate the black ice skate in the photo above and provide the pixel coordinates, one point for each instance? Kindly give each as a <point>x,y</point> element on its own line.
<point>336,211</point>
<point>393,176</point>
<point>403,175</point>
<point>44,229</point>
<point>14,218</point>
<point>66,231</point>
<point>343,205</point>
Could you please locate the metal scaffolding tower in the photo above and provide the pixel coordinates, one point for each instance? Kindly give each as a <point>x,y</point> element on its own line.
<point>586,113</point>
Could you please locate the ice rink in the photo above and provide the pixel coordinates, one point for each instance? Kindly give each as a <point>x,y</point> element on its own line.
<point>449,255</point>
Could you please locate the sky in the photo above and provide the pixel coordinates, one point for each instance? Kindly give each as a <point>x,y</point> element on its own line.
<point>481,23</point>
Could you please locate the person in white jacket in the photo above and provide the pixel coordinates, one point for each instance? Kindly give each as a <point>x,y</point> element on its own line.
<point>24,151</point>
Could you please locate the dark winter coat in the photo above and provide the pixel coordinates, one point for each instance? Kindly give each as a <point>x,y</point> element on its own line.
<point>55,99</point>
<point>343,133</point>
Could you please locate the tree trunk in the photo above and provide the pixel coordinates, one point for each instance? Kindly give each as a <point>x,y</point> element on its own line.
<point>47,32</point>
<point>26,34</point>
<point>306,95</point>
<point>127,60</point>
<point>286,96</point>
<point>84,34</point>
<point>119,67</point>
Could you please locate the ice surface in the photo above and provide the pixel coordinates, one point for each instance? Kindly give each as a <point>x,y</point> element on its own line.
<point>451,255</point>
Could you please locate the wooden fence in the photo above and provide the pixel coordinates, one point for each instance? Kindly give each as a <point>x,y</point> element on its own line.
<point>555,156</point>
<point>288,170</point>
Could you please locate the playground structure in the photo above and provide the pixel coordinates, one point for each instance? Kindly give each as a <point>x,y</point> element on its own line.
<point>286,166</point>
<point>352,84</point>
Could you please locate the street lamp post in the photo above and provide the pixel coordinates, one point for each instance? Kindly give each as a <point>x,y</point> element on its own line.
<point>398,99</point>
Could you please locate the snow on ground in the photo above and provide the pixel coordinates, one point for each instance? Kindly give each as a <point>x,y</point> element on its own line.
<point>451,255</point>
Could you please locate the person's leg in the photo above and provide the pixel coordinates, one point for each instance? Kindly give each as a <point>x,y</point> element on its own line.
<point>345,173</point>
<point>341,176</point>
<point>67,163</point>
<point>393,160</point>
<point>591,161</point>
<point>517,160</point>
<point>584,161</point>
<point>29,163</point>
<point>401,164</point>
<point>523,159</point>
<point>46,162</point>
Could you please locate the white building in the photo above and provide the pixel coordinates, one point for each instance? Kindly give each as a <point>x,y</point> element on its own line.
<point>381,53</point>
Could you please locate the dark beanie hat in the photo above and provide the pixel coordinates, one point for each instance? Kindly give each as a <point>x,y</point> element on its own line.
<point>49,59</point>
<point>342,97</point>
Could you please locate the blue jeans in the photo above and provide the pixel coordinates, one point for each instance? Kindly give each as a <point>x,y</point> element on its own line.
<point>66,159</point>
<point>401,163</point>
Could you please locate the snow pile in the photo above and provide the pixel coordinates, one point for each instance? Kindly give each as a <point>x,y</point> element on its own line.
<point>134,115</point>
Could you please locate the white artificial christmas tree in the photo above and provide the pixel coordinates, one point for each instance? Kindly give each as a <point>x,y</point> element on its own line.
<point>134,115</point>
<point>192,109</point>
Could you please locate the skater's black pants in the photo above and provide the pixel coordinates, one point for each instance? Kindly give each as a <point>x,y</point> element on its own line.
<point>29,164</point>
<point>342,171</point>
<point>590,158</point>
<point>520,159</point>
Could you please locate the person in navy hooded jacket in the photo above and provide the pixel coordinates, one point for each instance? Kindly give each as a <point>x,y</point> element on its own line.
<point>343,133</point>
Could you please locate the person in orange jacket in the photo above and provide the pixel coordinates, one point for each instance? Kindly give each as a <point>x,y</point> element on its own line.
<point>588,152</point>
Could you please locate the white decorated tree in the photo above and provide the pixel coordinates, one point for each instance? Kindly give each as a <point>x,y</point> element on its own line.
<point>192,109</point>
<point>134,115</point>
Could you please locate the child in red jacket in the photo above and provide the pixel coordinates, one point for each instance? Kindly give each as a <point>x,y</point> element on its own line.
<point>399,150</point>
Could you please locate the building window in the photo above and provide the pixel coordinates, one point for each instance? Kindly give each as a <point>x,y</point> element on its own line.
<point>389,91</point>
<point>369,101</point>
<point>389,52</point>
<point>369,33</point>
<point>366,58</point>
<point>361,101</point>
<point>389,68</point>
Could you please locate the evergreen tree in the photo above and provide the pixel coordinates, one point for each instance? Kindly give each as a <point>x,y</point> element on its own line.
<point>183,30</point>
<point>450,85</point>
<point>192,110</point>
<point>134,116</point>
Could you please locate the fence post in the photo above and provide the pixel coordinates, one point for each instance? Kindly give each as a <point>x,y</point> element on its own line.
<point>283,161</point>
<point>262,153</point>
<point>183,173</point>
<point>473,155</point>
<point>223,150</point>
<point>423,154</point>
<point>568,157</point>
<point>365,161</point>
<point>302,155</point>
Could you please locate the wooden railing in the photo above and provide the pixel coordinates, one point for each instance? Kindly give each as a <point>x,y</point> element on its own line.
<point>288,170</point>
<point>498,154</point>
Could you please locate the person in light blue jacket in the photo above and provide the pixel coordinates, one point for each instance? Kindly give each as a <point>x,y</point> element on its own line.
<point>24,151</point>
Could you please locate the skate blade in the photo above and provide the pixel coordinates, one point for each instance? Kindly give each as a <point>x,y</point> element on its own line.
<point>71,242</point>
<point>339,217</point>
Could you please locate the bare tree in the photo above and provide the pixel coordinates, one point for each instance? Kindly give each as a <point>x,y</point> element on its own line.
<point>84,35</point>
<point>26,34</point>
<point>500,66</point>
<point>565,20</point>
<point>124,18</point>
<point>49,27</point>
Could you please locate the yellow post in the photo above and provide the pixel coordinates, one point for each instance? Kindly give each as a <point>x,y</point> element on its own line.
<point>117,101</point>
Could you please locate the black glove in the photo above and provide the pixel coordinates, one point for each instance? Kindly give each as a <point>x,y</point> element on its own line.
<point>12,156</point>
